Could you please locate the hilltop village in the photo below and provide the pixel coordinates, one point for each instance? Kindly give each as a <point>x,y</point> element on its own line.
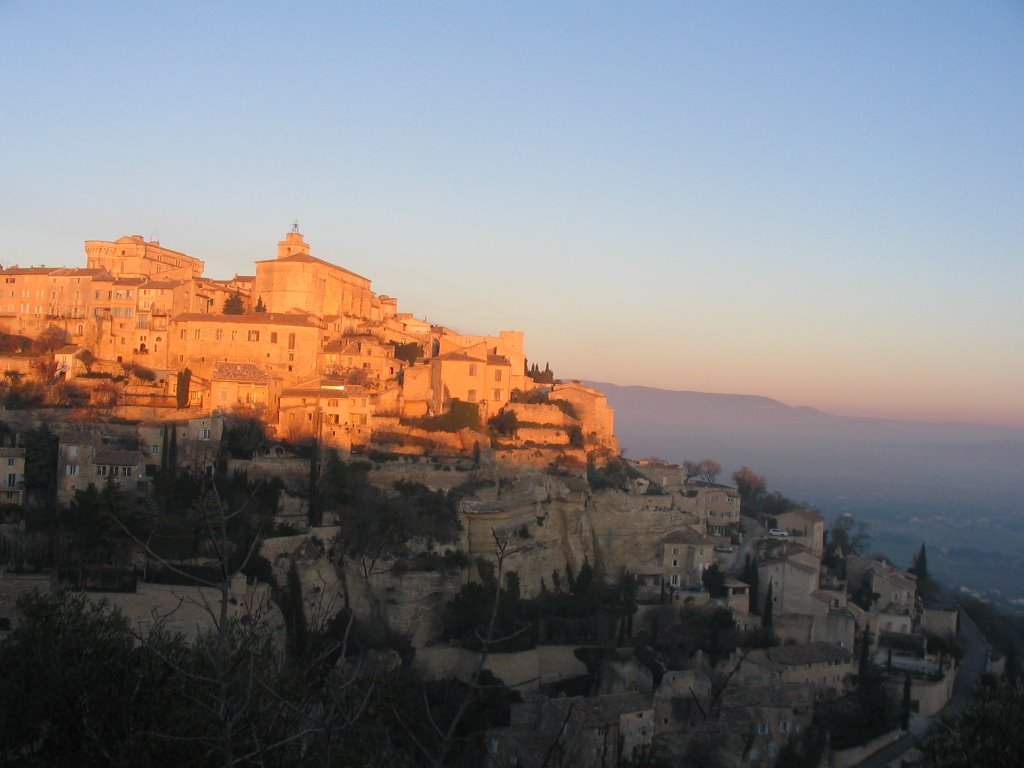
<point>469,510</point>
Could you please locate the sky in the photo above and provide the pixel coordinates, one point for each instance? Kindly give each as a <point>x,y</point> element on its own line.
<point>817,202</point>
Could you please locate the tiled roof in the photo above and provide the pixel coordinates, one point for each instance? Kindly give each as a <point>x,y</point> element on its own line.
<point>245,372</point>
<point>497,360</point>
<point>602,709</point>
<point>458,357</point>
<point>81,272</point>
<point>685,536</point>
<point>808,653</point>
<point>806,514</point>
<point>305,258</point>
<point>29,270</point>
<point>162,284</point>
<point>12,453</point>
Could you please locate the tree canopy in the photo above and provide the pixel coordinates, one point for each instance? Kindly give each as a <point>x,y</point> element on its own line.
<point>234,305</point>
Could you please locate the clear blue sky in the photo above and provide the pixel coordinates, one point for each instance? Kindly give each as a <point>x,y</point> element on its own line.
<point>818,202</point>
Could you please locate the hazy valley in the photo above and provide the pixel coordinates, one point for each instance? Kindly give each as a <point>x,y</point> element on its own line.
<point>957,487</point>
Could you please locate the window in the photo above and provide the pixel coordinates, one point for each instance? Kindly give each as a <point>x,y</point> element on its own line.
<point>101,470</point>
<point>471,395</point>
<point>204,434</point>
<point>675,563</point>
<point>497,394</point>
<point>273,337</point>
<point>675,579</point>
<point>234,335</point>
<point>184,334</point>
<point>72,469</point>
<point>472,369</point>
<point>784,726</point>
<point>291,341</point>
<point>218,334</point>
<point>12,480</point>
<point>675,550</point>
<point>253,336</point>
<point>497,375</point>
<point>10,462</point>
<point>764,728</point>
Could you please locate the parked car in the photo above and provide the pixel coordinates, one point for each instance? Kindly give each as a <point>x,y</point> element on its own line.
<point>723,548</point>
<point>778,532</point>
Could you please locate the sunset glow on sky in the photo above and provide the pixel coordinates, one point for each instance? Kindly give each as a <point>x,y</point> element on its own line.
<point>817,202</point>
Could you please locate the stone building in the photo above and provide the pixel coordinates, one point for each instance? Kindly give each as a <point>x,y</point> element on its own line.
<point>686,554</point>
<point>806,527</point>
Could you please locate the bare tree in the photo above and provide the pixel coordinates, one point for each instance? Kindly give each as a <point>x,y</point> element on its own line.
<point>709,470</point>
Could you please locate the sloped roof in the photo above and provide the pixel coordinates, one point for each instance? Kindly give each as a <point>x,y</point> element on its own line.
<point>686,536</point>
<point>28,270</point>
<point>808,653</point>
<point>807,514</point>
<point>162,284</point>
<point>249,373</point>
<point>459,357</point>
<point>305,258</point>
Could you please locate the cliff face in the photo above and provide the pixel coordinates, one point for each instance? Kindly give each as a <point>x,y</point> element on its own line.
<point>553,522</point>
<point>544,523</point>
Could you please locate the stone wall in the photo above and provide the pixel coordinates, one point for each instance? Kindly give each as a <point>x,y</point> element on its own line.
<point>848,757</point>
<point>525,671</point>
<point>931,695</point>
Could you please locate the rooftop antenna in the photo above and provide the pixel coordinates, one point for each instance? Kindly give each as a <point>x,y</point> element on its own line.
<point>295,226</point>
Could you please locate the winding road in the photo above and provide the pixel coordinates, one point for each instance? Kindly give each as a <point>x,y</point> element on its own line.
<point>971,667</point>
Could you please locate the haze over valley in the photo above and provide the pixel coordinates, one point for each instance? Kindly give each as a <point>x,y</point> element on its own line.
<point>955,486</point>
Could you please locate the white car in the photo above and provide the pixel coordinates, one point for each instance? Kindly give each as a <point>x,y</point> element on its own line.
<point>778,532</point>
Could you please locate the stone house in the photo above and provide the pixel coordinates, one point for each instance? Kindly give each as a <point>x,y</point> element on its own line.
<point>794,577</point>
<point>806,527</point>
<point>597,419</point>
<point>459,376</point>
<point>823,666</point>
<point>245,385</point>
<point>686,554</point>
<point>716,506</point>
<point>12,475</point>
<point>287,345</point>
<point>582,731</point>
<point>296,281</point>
<point>361,353</point>
<point>763,719</point>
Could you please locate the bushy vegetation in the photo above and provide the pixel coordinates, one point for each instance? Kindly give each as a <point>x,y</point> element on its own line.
<point>81,687</point>
<point>580,608</point>
<point>616,474</point>
<point>461,415</point>
<point>408,352</point>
